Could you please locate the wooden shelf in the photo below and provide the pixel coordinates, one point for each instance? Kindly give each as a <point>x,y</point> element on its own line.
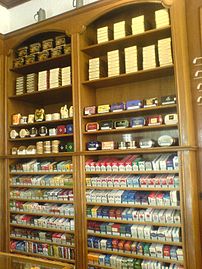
<point>135,151</point>
<point>40,241</point>
<point>135,256</point>
<point>42,256</point>
<point>42,201</point>
<point>131,77</point>
<point>100,266</point>
<point>146,38</point>
<point>133,205</point>
<point>41,138</point>
<point>131,112</point>
<point>136,222</point>
<point>132,189</point>
<point>40,173</point>
<point>51,155</point>
<point>39,123</point>
<point>40,187</point>
<point>152,172</point>
<point>60,61</point>
<point>55,95</point>
<point>41,228</point>
<point>135,239</point>
<point>40,214</point>
<point>137,129</point>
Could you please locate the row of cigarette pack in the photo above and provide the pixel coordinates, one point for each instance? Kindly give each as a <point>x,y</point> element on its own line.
<point>166,198</point>
<point>46,208</point>
<point>44,222</point>
<point>46,180</point>
<point>132,181</point>
<point>42,166</point>
<point>133,163</point>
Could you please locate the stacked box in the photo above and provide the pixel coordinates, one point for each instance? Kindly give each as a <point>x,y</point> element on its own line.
<point>121,29</point>
<point>31,82</point>
<point>104,34</point>
<point>20,85</point>
<point>138,26</point>
<point>165,51</point>
<point>66,75</point>
<point>162,18</point>
<point>43,80</point>
<point>113,60</point>
<point>131,62</point>
<point>96,68</point>
<point>55,78</point>
<point>149,57</point>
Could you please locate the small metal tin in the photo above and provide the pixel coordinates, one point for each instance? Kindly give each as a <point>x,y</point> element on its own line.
<point>121,124</point>
<point>33,132</point>
<point>69,147</point>
<point>134,104</point>
<point>166,141</point>
<point>23,133</point>
<point>90,110</point>
<point>23,120</point>
<point>155,120</point>
<point>13,134</point>
<point>93,145</point>
<point>69,128</point>
<point>92,126</point>
<point>171,119</point>
<point>52,131</point>
<point>55,116</point>
<point>146,143</point>
<point>48,117</point>
<point>61,129</point>
<point>117,107</point>
<point>16,119</point>
<point>103,109</point>
<point>137,122</point>
<point>168,100</point>
<point>122,145</point>
<point>106,125</point>
<point>30,118</point>
<point>39,114</point>
<point>108,145</point>
<point>131,144</point>
<point>151,102</point>
<point>43,131</point>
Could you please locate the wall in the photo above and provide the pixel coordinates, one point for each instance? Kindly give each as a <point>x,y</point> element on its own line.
<point>195,49</point>
<point>23,15</point>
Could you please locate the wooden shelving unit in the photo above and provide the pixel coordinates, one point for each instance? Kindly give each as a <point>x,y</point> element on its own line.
<point>159,81</point>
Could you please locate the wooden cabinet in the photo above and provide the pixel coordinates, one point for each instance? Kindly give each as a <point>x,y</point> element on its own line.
<point>112,195</point>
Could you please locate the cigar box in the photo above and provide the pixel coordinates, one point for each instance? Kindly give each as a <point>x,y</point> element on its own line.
<point>146,143</point>
<point>166,141</point>
<point>134,104</point>
<point>69,128</point>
